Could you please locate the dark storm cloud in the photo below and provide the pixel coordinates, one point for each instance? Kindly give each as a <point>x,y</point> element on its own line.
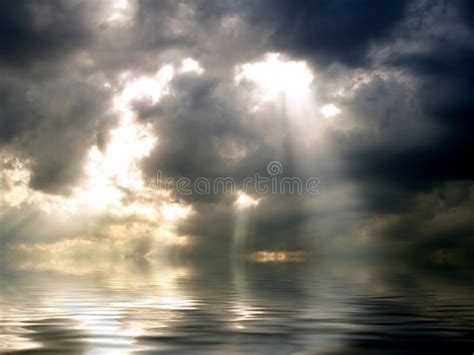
<point>466,9</point>
<point>413,137</point>
<point>418,134</point>
<point>200,116</point>
<point>206,128</point>
<point>53,123</point>
<point>42,30</point>
<point>327,31</point>
<point>51,111</point>
<point>77,116</point>
<point>15,115</point>
<point>447,96</point>
<point>411,120</point>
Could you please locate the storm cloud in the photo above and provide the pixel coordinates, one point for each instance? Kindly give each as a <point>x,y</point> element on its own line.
<point>394,163</point>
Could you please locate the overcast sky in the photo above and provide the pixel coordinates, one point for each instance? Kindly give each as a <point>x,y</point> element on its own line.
<point>373,98</point>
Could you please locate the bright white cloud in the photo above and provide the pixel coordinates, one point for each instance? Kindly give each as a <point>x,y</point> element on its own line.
<point>111,171</point>
<point>189,65</point>
<point>114,169</point>
<point>151,88</point>
<point>174,211</point>
<point>276,76</point>
<point>330,110</point>
<point>120,11</point>
<point>245,201</point>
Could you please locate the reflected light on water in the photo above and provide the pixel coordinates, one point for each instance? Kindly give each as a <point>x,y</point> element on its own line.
<point>147,306</point>
<point>281,256</point>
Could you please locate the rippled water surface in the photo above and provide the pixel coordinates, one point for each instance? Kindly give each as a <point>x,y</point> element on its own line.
<point>250,308</point>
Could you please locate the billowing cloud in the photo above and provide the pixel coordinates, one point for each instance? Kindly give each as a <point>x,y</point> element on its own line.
<point>99,101</point>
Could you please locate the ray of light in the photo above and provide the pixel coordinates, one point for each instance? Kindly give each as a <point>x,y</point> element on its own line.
<point>284,90</point>
<point>113,184</point>
<point>243,205</point>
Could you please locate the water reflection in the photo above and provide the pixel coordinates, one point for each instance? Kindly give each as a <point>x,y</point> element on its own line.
<point>245,307</point>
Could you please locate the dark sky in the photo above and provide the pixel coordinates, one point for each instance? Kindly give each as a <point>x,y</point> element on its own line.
<point>395,164</point>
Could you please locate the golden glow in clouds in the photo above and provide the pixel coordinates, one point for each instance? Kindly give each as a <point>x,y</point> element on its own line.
<point>282,256</point>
